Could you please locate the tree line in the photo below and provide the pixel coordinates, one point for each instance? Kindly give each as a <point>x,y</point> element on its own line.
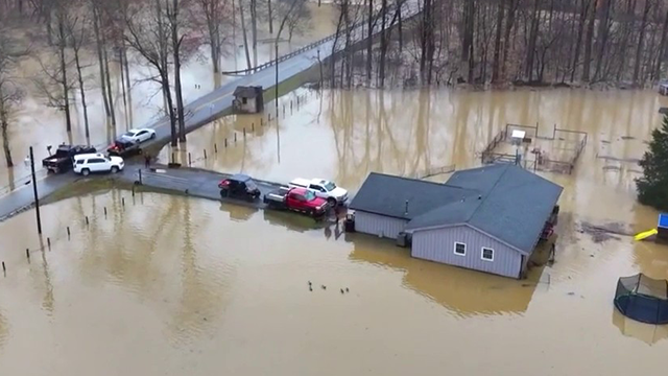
<point>508,42</point>
<point>161,34</point>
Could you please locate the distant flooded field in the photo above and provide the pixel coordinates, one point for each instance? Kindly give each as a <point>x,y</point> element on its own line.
<point>167,285</point>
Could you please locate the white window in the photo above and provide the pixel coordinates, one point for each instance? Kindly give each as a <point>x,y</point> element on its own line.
<point>487,254</point>
<point>460,249</point>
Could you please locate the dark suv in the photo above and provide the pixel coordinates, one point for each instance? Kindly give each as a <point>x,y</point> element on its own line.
<point>239,185</point>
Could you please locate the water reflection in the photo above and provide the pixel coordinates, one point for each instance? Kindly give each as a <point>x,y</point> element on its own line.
<point>343,135</point>
<point>463,292</point>
<point>650,334</point>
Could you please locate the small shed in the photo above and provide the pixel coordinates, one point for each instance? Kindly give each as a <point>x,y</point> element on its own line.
<point>663,88</point>
<point>248,100</point>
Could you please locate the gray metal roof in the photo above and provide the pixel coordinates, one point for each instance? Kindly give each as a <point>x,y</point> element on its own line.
<point>387,195</point>
<point>513,205</point>
<point>247,91</point>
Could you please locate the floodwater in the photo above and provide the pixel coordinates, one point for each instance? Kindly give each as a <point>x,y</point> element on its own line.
<point>171,285</point>
<point>37,125</point>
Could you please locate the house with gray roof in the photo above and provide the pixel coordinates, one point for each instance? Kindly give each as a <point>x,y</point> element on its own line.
<point>488,218</point>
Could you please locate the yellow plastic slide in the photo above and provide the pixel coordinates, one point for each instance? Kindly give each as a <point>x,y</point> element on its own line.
<point>645,234</point>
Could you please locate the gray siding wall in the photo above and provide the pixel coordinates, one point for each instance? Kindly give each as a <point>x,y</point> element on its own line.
<point>379,225</point>
<point>439,245</point>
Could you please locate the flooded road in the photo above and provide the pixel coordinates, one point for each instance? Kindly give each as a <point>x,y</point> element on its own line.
<point>167,285</point>
<point>35,124</point>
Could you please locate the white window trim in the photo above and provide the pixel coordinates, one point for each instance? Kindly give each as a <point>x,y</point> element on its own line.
<point>482,254</point>
<point>454,250</point>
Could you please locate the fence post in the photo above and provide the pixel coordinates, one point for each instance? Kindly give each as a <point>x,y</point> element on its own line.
<point>225,142</point>
<point>204,153</point>
<point>190,161</point>
<point>235,137</point>
<point>140,181</point>
<point>215,148</point>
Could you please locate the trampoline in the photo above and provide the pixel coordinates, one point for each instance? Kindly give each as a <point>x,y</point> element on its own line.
<point>643,299</point>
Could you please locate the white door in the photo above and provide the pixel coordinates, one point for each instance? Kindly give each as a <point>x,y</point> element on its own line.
<point>96,164</point>
<point>318,190</point>
<point>142,136</point>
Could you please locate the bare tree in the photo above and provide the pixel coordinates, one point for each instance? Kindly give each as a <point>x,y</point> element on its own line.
<point>76,30</point>
<point>56,83</point>
<point>10,91</point>
<point>215,15</point>
<point>147,30</point>
<point>177,37</point>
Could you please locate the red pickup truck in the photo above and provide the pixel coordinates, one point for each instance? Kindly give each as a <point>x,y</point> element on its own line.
<point>297,199</point>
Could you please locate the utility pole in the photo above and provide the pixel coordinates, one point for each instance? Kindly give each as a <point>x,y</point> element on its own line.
<point>34,190</point>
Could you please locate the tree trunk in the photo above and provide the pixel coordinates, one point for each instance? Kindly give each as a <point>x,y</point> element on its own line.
<point>112,110</point>
<point>400,26</point>
<point>383,44</point>
<point>369,42</point>
<point>245,34</point>
<point>510,23</point>
<point>602,35</point>
<point>253,10</point>
<point>98,43</point>
<point>176,47</point>
<point>271,21</point>
<point>467,36</point>
<point>586,67</point>
<point>583,17</point>
<point>497,42</point>
<point>662,49</point>
<point>4,124</point>
<point>82,91</point>
<point>531,48</point>
<point>641,41</point>
<point>63,70</point>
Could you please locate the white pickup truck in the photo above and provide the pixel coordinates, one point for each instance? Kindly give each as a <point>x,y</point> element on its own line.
<point>322,188</point>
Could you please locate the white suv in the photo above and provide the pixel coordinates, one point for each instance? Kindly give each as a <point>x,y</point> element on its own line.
<point>322,188</point>
<point>84,164</point>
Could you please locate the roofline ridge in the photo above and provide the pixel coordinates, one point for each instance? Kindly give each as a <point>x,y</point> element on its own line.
<point>419,180</point>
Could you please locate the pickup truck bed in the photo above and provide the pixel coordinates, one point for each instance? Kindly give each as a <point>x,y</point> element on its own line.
<point>278,200</point>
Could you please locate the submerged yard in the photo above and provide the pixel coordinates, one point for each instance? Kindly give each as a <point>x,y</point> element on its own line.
<point>171,285</point>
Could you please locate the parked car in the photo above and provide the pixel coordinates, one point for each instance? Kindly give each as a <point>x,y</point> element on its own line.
<point>84,164</point>
<point>300,200</point>
<point>139,135</point>
<point>322,188</point>
<point>124,148</point>
<point>62,160</point>
<point>239,185</point>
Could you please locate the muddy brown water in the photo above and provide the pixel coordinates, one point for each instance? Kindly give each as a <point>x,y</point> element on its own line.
<point>167,285</point>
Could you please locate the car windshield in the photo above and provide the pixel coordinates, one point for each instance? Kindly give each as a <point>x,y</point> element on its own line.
<point>329,186</point>
<point>309,196</point>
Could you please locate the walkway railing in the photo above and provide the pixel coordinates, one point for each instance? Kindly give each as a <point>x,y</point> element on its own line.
<point>407,17</point>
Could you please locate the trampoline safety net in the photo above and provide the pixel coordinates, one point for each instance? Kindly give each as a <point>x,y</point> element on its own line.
<point>643,299</point>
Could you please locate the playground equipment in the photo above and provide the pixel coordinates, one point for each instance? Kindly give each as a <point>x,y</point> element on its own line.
<point>645,234</point>
<point>643,299</point>
<point>661,230</point>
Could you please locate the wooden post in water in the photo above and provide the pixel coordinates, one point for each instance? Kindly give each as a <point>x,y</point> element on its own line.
<point>204,153</point>
<point>68,232</point>
<point>190,162</point>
